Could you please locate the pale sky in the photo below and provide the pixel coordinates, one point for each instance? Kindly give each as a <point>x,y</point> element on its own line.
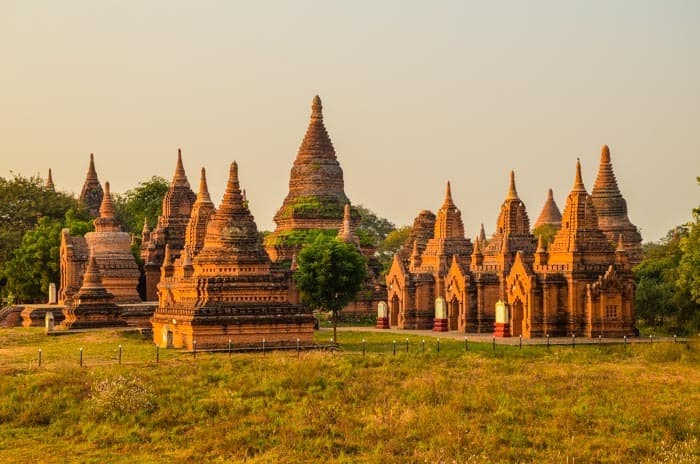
<point>414,94</point>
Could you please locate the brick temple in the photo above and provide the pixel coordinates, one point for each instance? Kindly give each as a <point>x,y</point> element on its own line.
<point>169,231</point>
<point>581,284</point>
<point>316,200</point>
<point>224,286</point>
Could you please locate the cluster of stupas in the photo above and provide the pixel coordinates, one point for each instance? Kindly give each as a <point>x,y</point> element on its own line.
<point>215,281</point>
<point>580,284</point>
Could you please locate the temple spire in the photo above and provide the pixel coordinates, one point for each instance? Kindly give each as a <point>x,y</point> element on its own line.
<point>107,207</point>
<point>482,234</point>
<point>180,178</point>
<point>203,194</point>
<point>448,197</point>
<point>512,192</point>
<point>578,181</point>
<point>316,108</point>
<point>49,182</point>
<point>92,173</point>
<point>620,244</point>
<point>346,233</point>
<point>233,199</point>
<point>145,230</point>
<point>92,278</point>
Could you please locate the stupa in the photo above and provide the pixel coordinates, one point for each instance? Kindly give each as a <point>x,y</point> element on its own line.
<point>611,208</point>
<point>229,290</point>
<point>550,213</point>
<point>93,306</point>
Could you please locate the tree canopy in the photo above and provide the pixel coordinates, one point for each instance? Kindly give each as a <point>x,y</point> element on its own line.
<point>143,201</point>
<point>329,275</point>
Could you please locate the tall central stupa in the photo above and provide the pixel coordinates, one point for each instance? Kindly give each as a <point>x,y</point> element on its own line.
<point>316,198</point>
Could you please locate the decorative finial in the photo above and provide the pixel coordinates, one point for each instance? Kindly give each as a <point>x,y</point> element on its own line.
<point>145,229</point>
<point>605,154</point>
<point>448,196</point>
<point>477,247</point>
<point>578,182</point>
<point>512,193</point>
<point>294,266</point>
<point>107,206</point>
<point>550,194</point>
<point>203,194</point>
<point>49,181</point>
<point>482,234</point>
<point>316,108</point>
<point>180,177</point>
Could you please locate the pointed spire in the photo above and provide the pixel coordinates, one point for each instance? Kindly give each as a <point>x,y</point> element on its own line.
<point>482,234</point>
<point>512,192</point>
<point>146,230</point>
<point>605,154</point>
<point>578,181</point>
<point>448,197</point>
<point>180,178</point>
<point>92,173</point>
<point>187,259</point>
<point>203,194</point>
<point>316,108</point>
<point>346,232</point>
<point>107,207</point>
<point>49,182</point>
<point>294,266</point>
<point>233,199</point>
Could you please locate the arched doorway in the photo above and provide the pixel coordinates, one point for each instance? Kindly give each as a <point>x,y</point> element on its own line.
<point>517,318</point>
<point>394,312</point>
<point>453,314</point>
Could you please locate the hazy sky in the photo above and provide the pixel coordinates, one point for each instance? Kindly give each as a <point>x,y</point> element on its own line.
<point>414,94</point>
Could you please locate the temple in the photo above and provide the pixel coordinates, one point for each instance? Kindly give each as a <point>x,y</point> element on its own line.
<point>316,199</point>
<point>111,249</point>
<point>169,231</point>
<point>223,288</point>
<point>580,285</point>
<point>413,289</point>
<point>92,193</point>
<point>317,203</point>
<point>611,208</point>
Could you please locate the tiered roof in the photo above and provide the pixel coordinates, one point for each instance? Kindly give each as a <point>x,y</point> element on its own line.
<point>611,208</point>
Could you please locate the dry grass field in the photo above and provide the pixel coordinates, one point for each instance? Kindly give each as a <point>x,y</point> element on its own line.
<point>639,403</point>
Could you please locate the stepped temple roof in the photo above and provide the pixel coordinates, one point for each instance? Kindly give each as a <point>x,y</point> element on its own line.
<point>611,208</point>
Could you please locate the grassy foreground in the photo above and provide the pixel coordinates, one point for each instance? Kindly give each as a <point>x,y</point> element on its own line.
<point>588,404</point>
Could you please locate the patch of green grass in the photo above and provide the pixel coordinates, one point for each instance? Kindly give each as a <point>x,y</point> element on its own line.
<point>588,404</point>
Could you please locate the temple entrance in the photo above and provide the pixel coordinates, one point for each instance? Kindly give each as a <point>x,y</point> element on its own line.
<point>394,312</point>
<point>517,318</point>
<point>453,314</point>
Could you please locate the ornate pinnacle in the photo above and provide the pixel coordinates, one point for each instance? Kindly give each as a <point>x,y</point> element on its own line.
<point>145,229</point>
<point>107,206</point>
<point>448,197</point>
<point>578,181</point>
<point>203,194</point>
<point>512,192</point>
<point>49,181</point>
<point>180,178</point>
<point>316,108</point>
<point>605,154</point>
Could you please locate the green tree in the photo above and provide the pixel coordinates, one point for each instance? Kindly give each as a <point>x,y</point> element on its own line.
<point>35,262</point>
<point>390,245</point>
<point>329,275</point>
<point>689,266</point>
<point>546,231</point>
<point>23,201</point>
<point>372,229</point>
<point>144,201</point>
